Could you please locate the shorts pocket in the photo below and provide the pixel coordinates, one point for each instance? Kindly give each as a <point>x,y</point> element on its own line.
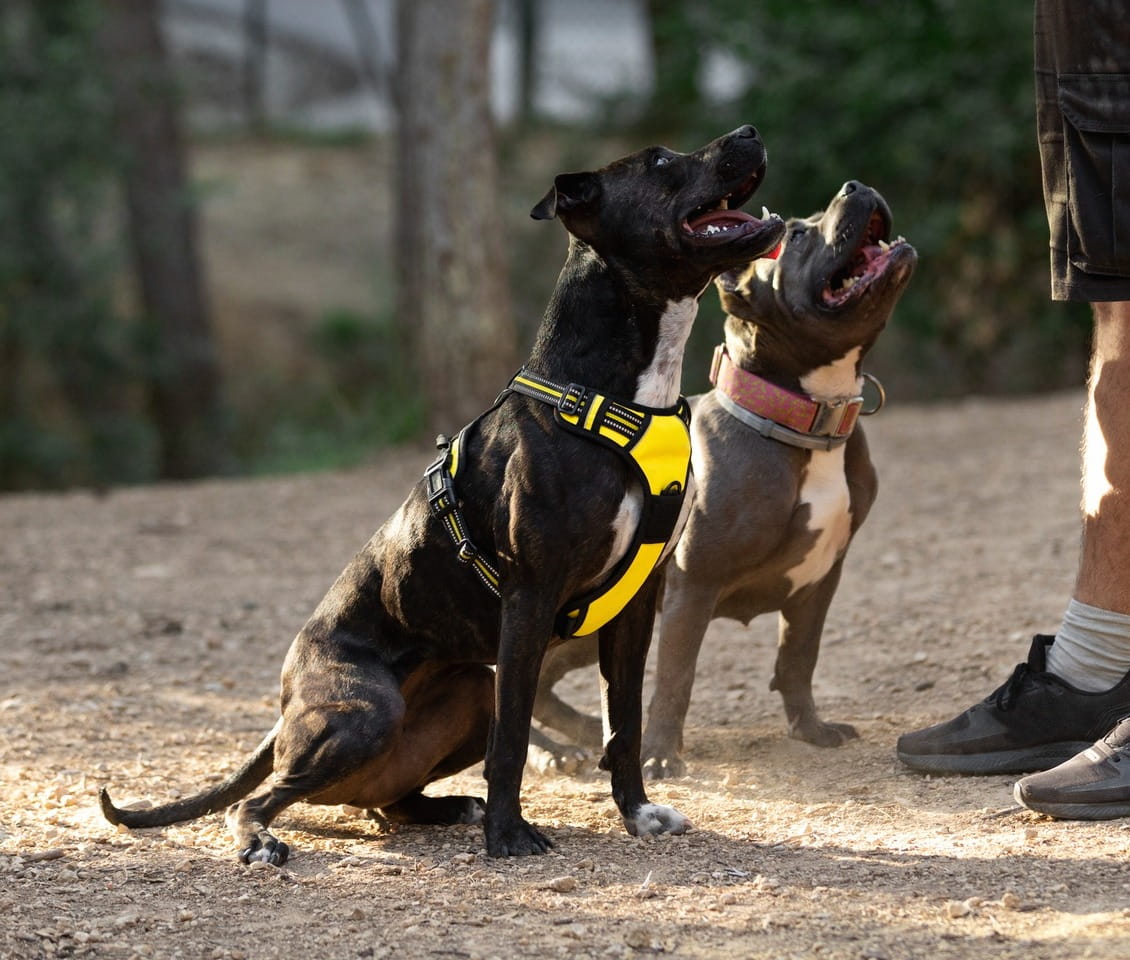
<point>1096,129</point>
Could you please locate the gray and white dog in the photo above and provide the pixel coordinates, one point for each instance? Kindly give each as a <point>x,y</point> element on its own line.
<point>783,474</point>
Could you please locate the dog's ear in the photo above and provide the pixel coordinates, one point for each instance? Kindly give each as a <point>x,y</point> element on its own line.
<point>570,191</point>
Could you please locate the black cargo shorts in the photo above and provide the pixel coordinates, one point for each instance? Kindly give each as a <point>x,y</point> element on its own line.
<point>1083,123</point>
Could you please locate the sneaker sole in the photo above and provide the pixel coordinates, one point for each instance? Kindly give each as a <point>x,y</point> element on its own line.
<point>1027,760</point>
<point>1074,811</point>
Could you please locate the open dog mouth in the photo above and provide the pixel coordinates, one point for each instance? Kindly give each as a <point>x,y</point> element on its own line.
<point>870,260</point>
<point>721,222</point>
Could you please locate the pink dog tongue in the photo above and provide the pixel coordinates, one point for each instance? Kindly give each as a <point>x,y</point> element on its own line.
<point>723,219</point>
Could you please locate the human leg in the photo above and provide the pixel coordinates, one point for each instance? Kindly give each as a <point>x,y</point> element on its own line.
<point>1078,681</point>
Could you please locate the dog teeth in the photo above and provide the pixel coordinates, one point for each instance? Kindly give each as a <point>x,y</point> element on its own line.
<point>725,204</point>
<point>849,283</point>
<point>884,246</point>
<point>765,214</point>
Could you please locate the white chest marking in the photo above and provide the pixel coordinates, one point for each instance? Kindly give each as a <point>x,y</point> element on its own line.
<point>825,492</point>
<point>824,488</point>
<point>837,380</point>
<point>657,386</point>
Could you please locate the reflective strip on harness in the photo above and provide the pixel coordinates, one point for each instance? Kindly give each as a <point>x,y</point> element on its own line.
<point>444,504</point>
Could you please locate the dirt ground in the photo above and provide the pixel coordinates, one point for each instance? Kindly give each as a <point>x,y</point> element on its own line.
<point>141,634</point>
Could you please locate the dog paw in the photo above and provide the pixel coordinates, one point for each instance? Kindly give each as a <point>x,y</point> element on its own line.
<point>653,818</point>
<point>664,768</point>
<point>824,734</point>
<point>562,760</point>
<point>476,810</point>
<point>521,839</point>
<point>265,849</point>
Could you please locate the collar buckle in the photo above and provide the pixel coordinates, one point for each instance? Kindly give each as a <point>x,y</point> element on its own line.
<point>830,414</point>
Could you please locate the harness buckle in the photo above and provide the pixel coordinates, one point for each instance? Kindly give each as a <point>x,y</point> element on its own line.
<point>466,551</point>
<point>441,497</point>
<point>572,399</point>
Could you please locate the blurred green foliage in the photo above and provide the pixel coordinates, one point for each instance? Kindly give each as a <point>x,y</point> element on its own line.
<point>67,412</point>
<point>360,396</point>
<point>929,101</point>
<point>932,103</point>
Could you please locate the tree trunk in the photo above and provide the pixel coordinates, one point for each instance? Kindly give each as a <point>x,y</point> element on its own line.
<point>185,385</point>
<point>453,297</point>
<point>528,15</point>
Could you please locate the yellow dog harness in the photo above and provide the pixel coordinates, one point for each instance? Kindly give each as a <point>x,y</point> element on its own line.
<point>654,442</point>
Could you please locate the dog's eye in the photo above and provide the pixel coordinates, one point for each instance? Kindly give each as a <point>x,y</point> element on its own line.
<point>797,232</point>
<point>661,160</point>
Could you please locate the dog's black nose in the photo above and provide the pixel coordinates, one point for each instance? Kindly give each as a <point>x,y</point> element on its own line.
<point>746,132</point>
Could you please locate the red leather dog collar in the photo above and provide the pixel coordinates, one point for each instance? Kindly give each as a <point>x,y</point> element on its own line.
<point>825,421</point>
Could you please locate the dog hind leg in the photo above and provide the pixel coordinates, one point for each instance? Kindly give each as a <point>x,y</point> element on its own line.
<point>376,747</point>
<point>550,709</point>
<point>584,732</point>
<point>445,730</point>
<point>306,768</point>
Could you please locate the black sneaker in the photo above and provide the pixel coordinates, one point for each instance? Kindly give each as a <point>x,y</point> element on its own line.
<point>1092,785</point>
<point>1034,721</point>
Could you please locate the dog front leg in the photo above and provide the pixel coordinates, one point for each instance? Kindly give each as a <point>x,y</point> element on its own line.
<point>801,624</point>
<point>624,644</point>
<point>687,608</point>
<point>524,637</point>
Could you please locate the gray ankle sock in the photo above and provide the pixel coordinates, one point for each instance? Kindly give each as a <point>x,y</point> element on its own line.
<point>1092,647</point>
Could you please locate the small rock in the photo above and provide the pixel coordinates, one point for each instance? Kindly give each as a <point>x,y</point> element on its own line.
<point>638,938</point>
<point>956,909</point>
<point>1010,901</point>
<point>53,854</point>
<point>565,884</point>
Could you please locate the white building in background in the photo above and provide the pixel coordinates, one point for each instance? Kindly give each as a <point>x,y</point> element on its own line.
<point>314,77</point>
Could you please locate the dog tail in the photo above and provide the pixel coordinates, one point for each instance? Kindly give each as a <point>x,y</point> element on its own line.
<point>254,771</point>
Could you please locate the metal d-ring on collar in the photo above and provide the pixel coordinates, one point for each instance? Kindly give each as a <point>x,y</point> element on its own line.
<point>882,402</point>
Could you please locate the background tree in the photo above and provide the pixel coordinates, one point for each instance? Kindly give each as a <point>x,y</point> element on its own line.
<point>66,359</point>
<point>184,373</point>
<point>453,302</point>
